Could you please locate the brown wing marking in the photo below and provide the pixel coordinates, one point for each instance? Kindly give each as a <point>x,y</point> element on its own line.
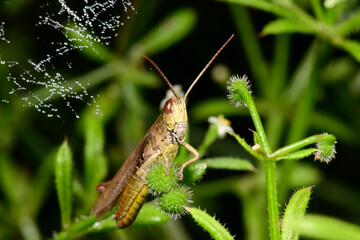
<point>108,198</point>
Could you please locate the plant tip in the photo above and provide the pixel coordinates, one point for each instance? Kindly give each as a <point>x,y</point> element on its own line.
<point>238,88</point>
<point>326,148</point>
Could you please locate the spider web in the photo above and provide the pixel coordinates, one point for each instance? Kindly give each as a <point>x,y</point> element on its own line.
<point>78,26</point>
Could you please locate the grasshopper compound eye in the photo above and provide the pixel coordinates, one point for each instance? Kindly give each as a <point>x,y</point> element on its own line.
<point>169,106</point>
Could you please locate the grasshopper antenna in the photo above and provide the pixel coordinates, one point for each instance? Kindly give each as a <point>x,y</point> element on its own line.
<point>162,75</point>
<point>207,66</point>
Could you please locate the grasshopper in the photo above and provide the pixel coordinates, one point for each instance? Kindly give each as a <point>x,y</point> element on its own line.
<point>161,143</point>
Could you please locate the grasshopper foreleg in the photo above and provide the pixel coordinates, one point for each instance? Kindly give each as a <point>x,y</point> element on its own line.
<point>192,150</point>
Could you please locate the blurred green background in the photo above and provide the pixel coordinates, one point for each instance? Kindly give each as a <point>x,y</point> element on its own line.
<point>304,76</point>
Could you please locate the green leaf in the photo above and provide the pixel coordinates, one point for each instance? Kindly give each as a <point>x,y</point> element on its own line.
<point>64,180</point>
<point>107,103</point>
<point>286,26</point>
<point>318,10</point>
<point>294,212</point>
<point>88,44</point>
<point>262,5</point>
<point>90,80</point>
<point>246,146</point>
<point>349,25</point>
<point>194,172</point>
<point>149,215</point>
<point>350,46</point>
<point>145,79</point>
<point>95,162</point>
<point>325,227</point>
<point>292,150</point>
<point>172,29</point>
<point>256,138</point>
<point>80,194</point>
<point>230,163</point>
<point>29,229</point>
<point>302,75</point>
<point>212,226</point>
<point>298,154</point>
<point>80,227</point>
<point>210,136</point>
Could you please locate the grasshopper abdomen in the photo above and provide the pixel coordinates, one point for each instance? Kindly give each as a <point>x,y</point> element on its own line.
<point>135,192</point>
<point>132,199</point>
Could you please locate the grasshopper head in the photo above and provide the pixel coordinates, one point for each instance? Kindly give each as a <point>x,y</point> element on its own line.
<point>175,115</point>
<point>174,112</point>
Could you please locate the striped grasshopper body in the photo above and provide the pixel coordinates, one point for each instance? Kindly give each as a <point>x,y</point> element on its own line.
<point>135,191</point>
<point>161,143</point>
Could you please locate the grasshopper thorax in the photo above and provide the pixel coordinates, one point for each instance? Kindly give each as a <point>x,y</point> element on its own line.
<point>175,115</point>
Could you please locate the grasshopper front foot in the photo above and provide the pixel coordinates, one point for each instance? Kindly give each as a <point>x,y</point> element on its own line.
<point>191,149</point>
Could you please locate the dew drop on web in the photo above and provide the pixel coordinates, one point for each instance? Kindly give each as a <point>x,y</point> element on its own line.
<point>38,82</point>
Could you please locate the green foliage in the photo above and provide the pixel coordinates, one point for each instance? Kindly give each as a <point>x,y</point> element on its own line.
<point>325,227</point>
<point>96,52</point>
<point>230,164</point>
<point>296,20</point>
<point>210,137</point>
<point>325,151</point>
<point>149,215</point>
<point>170,31</point>
<point>216,230</point>
<point>194,172</point>
<point>95,162</point>
<point>295,212</point>
<point>64,180</point>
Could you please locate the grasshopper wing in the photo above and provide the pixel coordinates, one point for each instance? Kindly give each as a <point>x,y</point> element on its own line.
<point>108,197</point>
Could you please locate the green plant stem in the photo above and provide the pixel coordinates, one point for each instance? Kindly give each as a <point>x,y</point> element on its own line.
<point>303,16</point>
<point>270,170</point>
<point>257,122</point>
<point>300,144</point>
<point>246,146</point>
<point>317,8</point>
<point>29,229</point>
<point>271,192</point>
